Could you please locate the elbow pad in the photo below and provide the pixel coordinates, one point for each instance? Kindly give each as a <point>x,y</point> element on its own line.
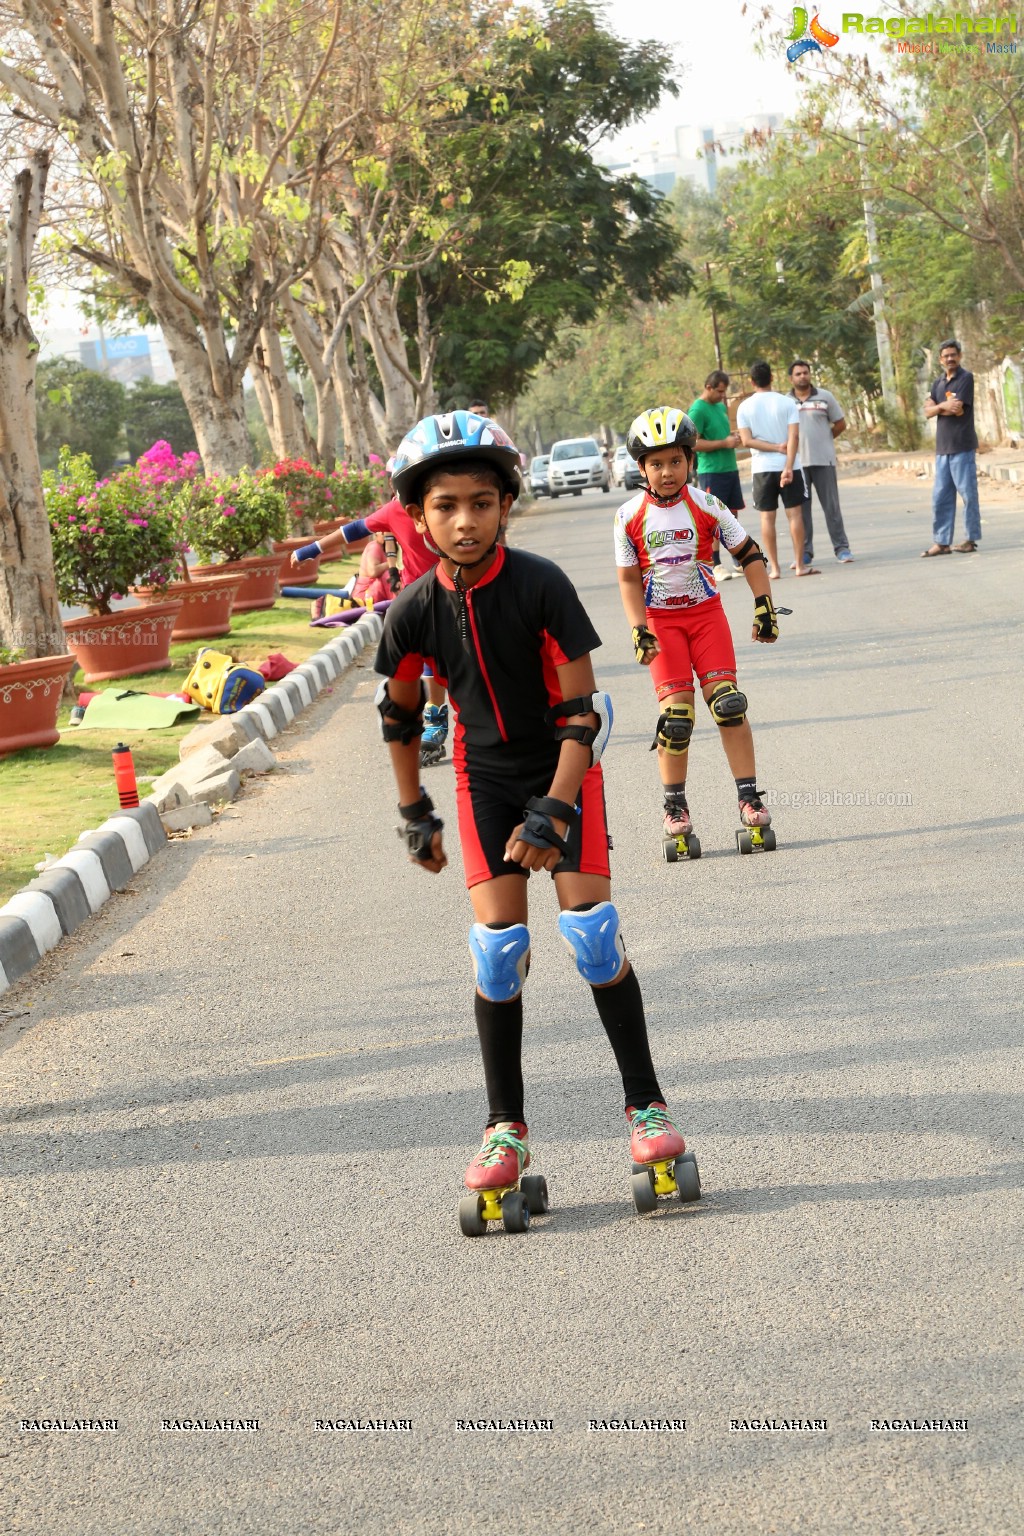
<point>594,737</point>
<point>748,553</point>
<point>396,723</point>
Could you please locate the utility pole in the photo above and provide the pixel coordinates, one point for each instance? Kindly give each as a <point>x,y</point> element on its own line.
<point>882,338</point>
<point>714,317</point>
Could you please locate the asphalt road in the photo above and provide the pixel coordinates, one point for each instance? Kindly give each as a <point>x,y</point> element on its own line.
<point>237,1112</point>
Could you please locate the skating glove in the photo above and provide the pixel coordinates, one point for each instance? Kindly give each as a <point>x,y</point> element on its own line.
<point>420,824</point>
<point>539,822</point>
<point>643,642</point>
<point>765,622</point>
<point>394,580</point>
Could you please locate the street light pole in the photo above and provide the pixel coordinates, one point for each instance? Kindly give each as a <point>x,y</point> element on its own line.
<point>882,337</point>
<point>714,317</point>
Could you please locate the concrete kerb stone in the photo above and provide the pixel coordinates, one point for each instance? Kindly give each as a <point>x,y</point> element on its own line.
<point>255,757</point>
<point>148,819</point>
<point>264,716</point>
<point>282,697</point>
<point>279,710</point>
<point>65,889</point>
<point>298,693</point>
<point>37,910</point>
<point>89,869</point>
<point>18,952</point>
<point>134,840</point>
<point>113,855</point>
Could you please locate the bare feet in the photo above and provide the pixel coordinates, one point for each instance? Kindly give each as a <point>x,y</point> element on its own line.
<point>808,570</point>
<point>775,575</point>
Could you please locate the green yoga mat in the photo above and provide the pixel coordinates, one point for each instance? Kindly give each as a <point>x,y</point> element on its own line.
<point>116,710</point>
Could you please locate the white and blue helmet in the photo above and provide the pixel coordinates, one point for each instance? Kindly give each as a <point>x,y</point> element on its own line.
<point>457,435</point>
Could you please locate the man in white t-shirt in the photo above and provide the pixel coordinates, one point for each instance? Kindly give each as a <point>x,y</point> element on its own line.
<point>769,425</point>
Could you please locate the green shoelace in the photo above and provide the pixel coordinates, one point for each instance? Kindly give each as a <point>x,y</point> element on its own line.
<point>651,1122</point>
<point>496,1144</point>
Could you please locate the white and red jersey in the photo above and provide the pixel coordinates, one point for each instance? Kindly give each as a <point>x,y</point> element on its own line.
<point>672,545</point>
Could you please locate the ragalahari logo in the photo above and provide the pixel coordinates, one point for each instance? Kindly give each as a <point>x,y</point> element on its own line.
<point>808,39</point>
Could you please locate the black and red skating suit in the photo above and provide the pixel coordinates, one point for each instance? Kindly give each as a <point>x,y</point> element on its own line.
<point>496,646</point>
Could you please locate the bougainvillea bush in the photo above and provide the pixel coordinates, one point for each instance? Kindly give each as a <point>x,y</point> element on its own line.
<point>229,517</point>
<point>108,535</point>
<point>359,488</point>
<point>309,494</point>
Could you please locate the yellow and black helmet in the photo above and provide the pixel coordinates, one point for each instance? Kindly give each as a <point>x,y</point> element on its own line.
<point>664,426</point>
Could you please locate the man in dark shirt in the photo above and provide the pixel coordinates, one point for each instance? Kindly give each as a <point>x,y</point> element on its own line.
<point>951,402</point>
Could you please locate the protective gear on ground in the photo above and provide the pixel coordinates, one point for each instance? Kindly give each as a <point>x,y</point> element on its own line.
<point>404,725</point>
<point>501,959</point>
<point>220,684</point>
<point>748,553</point>
<point>644,640</point>
<point>765,619</point>
<point>727,705</point>
<point>457,435</point>
<point>594,737</point>
<point>419,823</point>
<point>594,935</point>
<point>665,426</point>
<point>675,727</point>
<point>538,826</point>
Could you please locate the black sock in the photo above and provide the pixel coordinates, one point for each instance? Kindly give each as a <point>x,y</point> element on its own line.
<point>746,789</point>
<point>621,1008</point>
<point>675,794</point>
<point>500,1027</point>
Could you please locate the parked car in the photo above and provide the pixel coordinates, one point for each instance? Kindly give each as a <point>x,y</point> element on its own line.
<point>577,465</point>
<point>540,485</point>
<point>625,470</point>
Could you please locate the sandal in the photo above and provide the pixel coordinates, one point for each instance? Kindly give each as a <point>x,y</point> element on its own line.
<point>968,547</point>
<point>936,549</point>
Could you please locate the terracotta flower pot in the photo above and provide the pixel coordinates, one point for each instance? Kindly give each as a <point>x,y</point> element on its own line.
<point>30,695</point>
<point>205,605</point>
<point>259,580</point>
<point>321,530</point>
<point>295,575</point>
<point>123,644</point>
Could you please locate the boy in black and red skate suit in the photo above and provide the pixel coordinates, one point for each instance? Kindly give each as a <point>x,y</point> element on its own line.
<point>507,633</point>
<point>663,550</point>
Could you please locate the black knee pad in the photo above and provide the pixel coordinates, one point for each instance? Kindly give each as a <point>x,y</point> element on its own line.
<point>727,705</point>
<point>675,727</point>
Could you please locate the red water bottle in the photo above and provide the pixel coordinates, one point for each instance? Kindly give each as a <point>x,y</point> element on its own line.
<point>124,776</point>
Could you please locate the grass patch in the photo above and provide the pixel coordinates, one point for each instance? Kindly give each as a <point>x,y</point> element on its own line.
<point>48,797</point>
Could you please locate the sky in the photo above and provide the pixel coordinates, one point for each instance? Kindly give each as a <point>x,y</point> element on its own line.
<point>719,74</point>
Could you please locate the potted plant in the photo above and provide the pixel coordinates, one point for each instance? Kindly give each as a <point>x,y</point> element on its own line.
<point>310,498</point>
<point>30,695</point>
<point>206,601</point>
<point>356,490</point>
<point>232,522</point>
<point>107,534</point>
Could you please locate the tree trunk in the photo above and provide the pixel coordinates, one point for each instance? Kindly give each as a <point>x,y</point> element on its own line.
<point>29,610</point>
<point>311,345</point>
<point>287,433</point>
<point>380,310</point>
<point>218,422</point>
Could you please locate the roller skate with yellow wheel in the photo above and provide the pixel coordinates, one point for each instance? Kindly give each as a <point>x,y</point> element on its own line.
<point>435,734</point>
<point>679,840</point>
<point>498,1190</point>
<point>661,1164</point>
<point>755,833</point>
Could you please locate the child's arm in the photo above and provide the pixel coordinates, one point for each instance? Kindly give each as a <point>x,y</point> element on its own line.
<point>352,537</point>
<point>631,590</point>
<point>751,562</point>
<point>414,804</point>
<point>575,680</point>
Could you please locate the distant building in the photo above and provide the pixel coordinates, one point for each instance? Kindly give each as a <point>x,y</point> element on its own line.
<point>693,154</point>
<point>125,358</point>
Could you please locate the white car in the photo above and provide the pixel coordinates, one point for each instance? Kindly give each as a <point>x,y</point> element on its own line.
<point>577,465</point>
<point>625,469</point>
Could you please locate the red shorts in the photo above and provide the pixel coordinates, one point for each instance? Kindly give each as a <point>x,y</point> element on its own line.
<point>692,640</point>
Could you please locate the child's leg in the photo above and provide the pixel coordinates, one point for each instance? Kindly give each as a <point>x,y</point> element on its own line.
<point>672,675</point>
<point>498,906</point>
<point>768,540</point>
<point>599,953</point>
<point>714,660</point>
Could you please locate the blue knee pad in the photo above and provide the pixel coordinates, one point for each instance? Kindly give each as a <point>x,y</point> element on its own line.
<point>501,958</point>
<point>595,938</point>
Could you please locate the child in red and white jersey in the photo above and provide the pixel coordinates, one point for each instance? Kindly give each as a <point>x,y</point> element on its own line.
<point>664,536</point>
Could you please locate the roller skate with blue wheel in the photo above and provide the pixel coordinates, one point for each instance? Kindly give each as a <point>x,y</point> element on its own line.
<point>679,841</point>
<point>661,1163</point>
<point>435,734</point>
<point>498,1190</point>
<point>755,833</point>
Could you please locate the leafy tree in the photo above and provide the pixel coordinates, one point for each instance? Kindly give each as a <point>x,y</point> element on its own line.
<point>79,409</point>
<point>157,413</point>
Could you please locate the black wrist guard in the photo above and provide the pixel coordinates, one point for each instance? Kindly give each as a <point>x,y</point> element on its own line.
<point>394,579</point>
<point>538,824</point>
<point>643,641</point>
<point>765,620</point>
<point>420,824</point>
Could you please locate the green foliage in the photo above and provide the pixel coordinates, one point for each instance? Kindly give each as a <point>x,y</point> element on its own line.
<point>554,237</point>
<point>78,409</point>
<point>154,412</point>
<point>356,488</point>
<point>226,519</point>
<point>10,655</point>
<point>107,535</point>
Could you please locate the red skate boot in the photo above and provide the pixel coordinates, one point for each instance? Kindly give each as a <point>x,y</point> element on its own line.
<point>661,1163</point>
<point>499,1192</point>
<point>755,826</point>
<point>679,841</point>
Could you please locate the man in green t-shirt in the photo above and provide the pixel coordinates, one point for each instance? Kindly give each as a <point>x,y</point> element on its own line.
<point>716,452</point>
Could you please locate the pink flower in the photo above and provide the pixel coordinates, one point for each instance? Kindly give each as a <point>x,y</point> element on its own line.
<point>72,518</point>
<point>375,459</point>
